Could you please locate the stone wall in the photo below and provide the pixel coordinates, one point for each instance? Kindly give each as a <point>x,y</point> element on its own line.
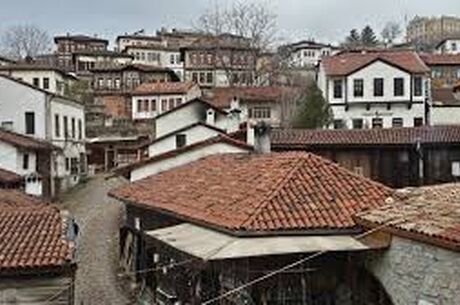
<point>415,273</point>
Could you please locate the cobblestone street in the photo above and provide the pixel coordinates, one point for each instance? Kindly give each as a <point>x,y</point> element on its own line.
<point>98,217</point>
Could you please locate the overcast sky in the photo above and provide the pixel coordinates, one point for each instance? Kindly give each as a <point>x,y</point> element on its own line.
<point>325,20</point>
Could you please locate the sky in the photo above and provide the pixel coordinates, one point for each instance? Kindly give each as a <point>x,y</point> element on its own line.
<point>323,20</point>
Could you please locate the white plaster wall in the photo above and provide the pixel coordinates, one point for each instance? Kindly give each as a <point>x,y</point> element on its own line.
<point>15,100</point>
<point>194,135</point>
<point>184,158</point>
<point>448,47</point>
<point>180,118</point>
<point>11,159</point>
<point>445,115</point>
<point>380,111</point>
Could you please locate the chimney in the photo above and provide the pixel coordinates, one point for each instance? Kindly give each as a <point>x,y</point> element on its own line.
<point>234,116</point>
<point>211,117</point>
<point>261,138</point>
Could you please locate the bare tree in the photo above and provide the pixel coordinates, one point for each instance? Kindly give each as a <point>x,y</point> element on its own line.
<point>390,32</point>
<point>23,41</point>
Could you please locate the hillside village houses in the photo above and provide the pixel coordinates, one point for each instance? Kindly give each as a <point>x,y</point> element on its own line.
<point>376,89</point>
<point>308,53</point>
<point>45,116</point>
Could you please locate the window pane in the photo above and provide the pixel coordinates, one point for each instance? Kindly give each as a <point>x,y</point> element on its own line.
<point>358,88</point>
<point>378,86</point>
<point>377,123</point>
<point>398,86</point>
<point>338,88</point>
<point>30,122</point>
<point>418,86</point>
<point>397,122</point>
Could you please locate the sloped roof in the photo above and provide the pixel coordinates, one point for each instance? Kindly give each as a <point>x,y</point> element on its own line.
<point>429,214</point>
<point>304,138</point>
<point>80,38</point>
<point>441,59</point>
<point>19,140</point>
<point>32,235</point>
<point>444,97</point>
<point>7,177</point>
<point>348,62</point>
<point>259,193</point>
<point>163,88</point>
<point>221,138</point>
<point>139,67</point>
<point>222,97</point>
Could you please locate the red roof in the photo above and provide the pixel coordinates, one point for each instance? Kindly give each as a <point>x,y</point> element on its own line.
<point>32,235</point>
<point>429,214</point>
<point>303,138</point>
<point>164,88</point>
<point>8,177</point>
<point>256,193</point>
<point>349,62</point>
<point>222,97</point>
<point>441,59</point>
<point>23,141</point>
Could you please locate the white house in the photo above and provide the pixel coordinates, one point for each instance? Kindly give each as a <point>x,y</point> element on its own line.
<point>307,54</point>
<point>152,99</point>
<point>449,46</point>
<point>376,89</point>
<point>445,106</point>
<point>47,78</point>
<point>23,162</point>
<point>5,61</point>
<point>157,55</point>
<point>45,116</point>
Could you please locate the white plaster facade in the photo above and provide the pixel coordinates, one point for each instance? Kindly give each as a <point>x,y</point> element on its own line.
<point>49,80</point>
<point>17,100</point>
<point>309,54</point>
<point>192,135</point>
<point>184,158</point>
<point>445,115</point>
<point>409,107</point>
<point>449,46</point>
<point>157,102</point>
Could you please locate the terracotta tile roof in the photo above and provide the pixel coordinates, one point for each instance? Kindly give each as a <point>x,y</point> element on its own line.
<point>259,193</point>
<point>304,138</point>
<point>139,67</point>
<point>444,96</point>
<point>441,59</point>
<point>25,142</point>
<point>8,177</point>
<point>222,138</point>
<point>348,62</point>
<point>222,97</point>
<point>429,214</point>
<point>31,235</point>
<point>164,88</point>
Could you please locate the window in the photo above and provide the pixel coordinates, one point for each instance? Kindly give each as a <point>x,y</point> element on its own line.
<point>57,127</point>
<point>100,82</point>
<point>195,77</point>
<point>378,86</point>
<point>377,123</point>
<point>397,122</point>
<point>418,86</point>
<point>67,164</point>
<point>209,78</point>
<point>181,140</point>
<point>418,122</point>
<point>338,88</point>
<point>178,101</point>
<point>398,86</point>
<point>72,127</point>
<point>117,83</point>
<point>8,125</point>
<point>73,166</point>
<point>357,123</point>
<point>164,105</point>
<point>109,83</point>
<point>66,127</point>
<point>454,46</point>
<point>338,124</point>
<point>36,82</point>
<point>153,105</point>
<point>171,103</point>
<point>259,112</point>
<point>139,105</point>
<point>80,129</point>
<point>30,122</point>
<point>202,77</point>
<point>46,83</point>
<point>25,161</point>
<point>358,88</point>
<point>146,106</point>
<point>172,59</point>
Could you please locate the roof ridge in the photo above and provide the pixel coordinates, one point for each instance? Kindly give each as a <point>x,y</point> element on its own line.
<point>265,201</point>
